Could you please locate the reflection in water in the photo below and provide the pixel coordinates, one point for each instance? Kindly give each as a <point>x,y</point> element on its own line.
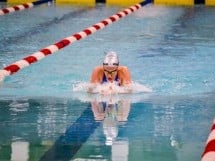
<point>68,144</point>
<point>64,129</point>
<point>110,126</point>
<point>111,113</point>
<point>174,142</point>
<point>106,114</point>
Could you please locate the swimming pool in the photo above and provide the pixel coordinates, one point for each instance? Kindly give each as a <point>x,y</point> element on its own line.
<point>169,49</point>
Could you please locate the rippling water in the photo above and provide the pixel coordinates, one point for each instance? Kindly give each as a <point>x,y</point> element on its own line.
<point>168,49</point>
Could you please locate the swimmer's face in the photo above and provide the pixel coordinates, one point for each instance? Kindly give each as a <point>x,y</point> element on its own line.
<point>110,72</point>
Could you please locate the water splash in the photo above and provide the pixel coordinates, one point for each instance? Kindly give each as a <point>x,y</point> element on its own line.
<point>111,88</point>
<point>110,92</point>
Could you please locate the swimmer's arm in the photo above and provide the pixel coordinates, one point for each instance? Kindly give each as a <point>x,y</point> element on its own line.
<point>91,88</point>
<point>95,79</point>
<point>96,75</point>
<point>125,80</point>
<point>125,76</point>
<point>126,89</point>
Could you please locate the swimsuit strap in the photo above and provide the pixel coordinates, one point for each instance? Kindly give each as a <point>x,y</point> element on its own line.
<point>117,79</point>
<point>104,79</point>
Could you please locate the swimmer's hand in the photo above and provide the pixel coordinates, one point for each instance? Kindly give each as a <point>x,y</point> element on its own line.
<point>126,89</point>
<point>91,88</point>
<point>109,90</point>
<point>98,88</point>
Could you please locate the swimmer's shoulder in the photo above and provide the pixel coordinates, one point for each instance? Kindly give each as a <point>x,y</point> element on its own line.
<point>99,67</point>
<point>123,69</point>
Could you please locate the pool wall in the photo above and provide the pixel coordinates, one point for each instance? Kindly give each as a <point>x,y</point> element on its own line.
<point>123,2</point>
<point>185,2</point>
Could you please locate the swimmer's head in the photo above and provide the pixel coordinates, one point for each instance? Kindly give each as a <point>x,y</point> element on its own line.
<point>111,59</point>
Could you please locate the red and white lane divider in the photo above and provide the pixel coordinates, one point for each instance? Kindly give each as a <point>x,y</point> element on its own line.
<point>16,8</point>
<point>21,7</point>
<point>15,67</point>
<point>209,152</point>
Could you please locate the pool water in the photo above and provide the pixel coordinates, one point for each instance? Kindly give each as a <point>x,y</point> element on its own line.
<point>168,49</point>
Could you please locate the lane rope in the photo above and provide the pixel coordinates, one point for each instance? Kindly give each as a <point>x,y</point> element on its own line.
<point>22,7</point>
<point>209,151</point>
<point>15,67</point>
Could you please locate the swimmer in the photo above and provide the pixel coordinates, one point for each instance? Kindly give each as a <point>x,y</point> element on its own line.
<point>110,72</point>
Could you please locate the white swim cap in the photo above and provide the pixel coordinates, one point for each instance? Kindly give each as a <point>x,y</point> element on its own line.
<point>111,59</point>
